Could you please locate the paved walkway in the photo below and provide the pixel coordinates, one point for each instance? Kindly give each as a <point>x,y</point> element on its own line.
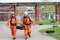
<point>6,35</point>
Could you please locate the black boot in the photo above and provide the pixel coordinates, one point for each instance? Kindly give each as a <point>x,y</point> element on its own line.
<point>14,38</point>
<point>29,35</point>
<point>25,37</point>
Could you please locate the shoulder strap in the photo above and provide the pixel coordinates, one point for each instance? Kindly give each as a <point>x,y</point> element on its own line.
<point>29,19</point>
<point>11,20</point>
<point>15,19</point>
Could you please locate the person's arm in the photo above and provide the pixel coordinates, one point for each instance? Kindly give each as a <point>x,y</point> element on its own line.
<point>22,21</point>
<point>8,23</point>
<point>16,22</point>
<point>33,23</point>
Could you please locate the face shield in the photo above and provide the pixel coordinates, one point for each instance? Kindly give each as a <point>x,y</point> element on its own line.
<point>12,15</point>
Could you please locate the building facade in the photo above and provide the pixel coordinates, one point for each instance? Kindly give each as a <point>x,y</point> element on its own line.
<point>36,10</point>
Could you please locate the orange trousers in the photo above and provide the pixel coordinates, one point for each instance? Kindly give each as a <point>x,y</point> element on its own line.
<point>27,31</point>
<point>13,31</point>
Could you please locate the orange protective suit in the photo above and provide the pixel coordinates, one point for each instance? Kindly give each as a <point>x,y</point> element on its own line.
<point>13,28</point>
<point>26,22</point>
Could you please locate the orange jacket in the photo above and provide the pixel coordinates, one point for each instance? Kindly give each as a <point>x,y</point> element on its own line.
<point>28,21</point>
<point>13,21</point>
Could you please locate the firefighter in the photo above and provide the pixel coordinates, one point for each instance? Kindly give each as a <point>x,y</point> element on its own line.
<point>26,22</point>
<point>12,23</point>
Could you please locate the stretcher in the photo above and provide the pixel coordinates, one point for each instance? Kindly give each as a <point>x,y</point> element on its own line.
<point>20,27</point>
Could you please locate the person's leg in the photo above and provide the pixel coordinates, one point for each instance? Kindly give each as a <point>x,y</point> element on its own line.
<point>26,33</point>
<point>29,31</point>
<point>14,32</point>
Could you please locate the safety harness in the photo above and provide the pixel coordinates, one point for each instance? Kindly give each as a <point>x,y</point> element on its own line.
<point>12,23</point>
<point>26,20</point>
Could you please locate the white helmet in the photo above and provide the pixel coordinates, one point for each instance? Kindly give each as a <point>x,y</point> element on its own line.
<point>12,15</point>
<point>25,14</point>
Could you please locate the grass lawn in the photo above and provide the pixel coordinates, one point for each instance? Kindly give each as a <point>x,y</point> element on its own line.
<point>56,34</point>
<point>2,21</point>
<point>44,22</point>
<point>20,22</point>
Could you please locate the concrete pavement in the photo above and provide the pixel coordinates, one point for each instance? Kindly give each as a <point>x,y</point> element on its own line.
<point>36,35</point>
